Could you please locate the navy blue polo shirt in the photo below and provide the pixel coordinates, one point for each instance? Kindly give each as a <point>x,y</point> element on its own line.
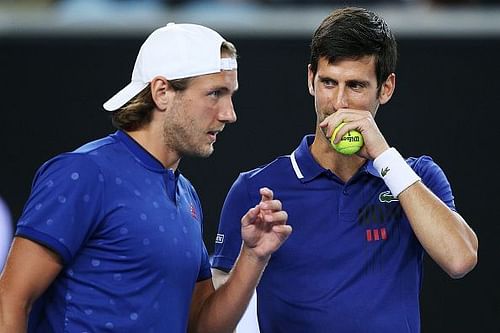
<point>129,233</point>
<point>352,262</point>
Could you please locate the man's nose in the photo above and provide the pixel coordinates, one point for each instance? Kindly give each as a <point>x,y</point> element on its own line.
<point>341,101</point>
<point>227,113</point>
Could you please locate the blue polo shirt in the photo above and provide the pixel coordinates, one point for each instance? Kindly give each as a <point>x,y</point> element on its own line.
<point>129,233</point>
<point>352,262</point>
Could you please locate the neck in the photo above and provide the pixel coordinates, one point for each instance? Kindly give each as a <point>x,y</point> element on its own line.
<point>151,139</point>
<point>344,166</point>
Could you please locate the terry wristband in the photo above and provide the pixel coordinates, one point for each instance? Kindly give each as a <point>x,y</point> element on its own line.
<point>395,172</point>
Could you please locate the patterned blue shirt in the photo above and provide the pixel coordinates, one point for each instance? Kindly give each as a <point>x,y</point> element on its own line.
<point>352,262</point>
<point>129,233</point>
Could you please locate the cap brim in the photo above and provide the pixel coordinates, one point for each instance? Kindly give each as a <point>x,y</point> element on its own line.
<point>124,95</point>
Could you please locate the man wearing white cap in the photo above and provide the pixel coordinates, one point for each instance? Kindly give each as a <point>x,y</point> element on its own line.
<point>110,239</point>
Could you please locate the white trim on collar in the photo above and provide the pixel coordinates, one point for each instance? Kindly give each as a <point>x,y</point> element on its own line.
<point>296,166</point>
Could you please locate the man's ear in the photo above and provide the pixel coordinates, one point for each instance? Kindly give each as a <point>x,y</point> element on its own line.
<point>387,89</point>
<point>159,90</point>
<point>310,80</point>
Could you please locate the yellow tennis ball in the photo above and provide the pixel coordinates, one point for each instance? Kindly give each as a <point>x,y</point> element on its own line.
<point>350,143</point>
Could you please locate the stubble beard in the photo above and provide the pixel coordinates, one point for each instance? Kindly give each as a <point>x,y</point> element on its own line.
<point>181,137</point>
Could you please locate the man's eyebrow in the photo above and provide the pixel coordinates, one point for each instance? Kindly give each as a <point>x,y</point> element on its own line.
<point>326,77</point>
<point>363,82</point>
<point>223,89</point>
<point>323,77</point>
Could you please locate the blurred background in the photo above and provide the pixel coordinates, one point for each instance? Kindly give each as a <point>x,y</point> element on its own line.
<point>60,60</point>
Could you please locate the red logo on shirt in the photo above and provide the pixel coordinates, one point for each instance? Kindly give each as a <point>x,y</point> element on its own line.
<point>193,212</point>
<point>376,234</point>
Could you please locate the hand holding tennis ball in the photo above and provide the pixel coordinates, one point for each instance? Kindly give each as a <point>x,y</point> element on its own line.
<point>350,143</point>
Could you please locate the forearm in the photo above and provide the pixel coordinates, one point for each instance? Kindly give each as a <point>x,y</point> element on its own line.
<point>263,230</point>
<point>225,307</point>
<point>29,270</point>
<point>13,317</point>
<point>445,236</point>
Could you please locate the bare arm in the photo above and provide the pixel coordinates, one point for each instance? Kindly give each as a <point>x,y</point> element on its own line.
<point>443,233</point>
<point>29,270</point>
<point>219,278</point>
<point>263,232</point>
<point>249,322</point>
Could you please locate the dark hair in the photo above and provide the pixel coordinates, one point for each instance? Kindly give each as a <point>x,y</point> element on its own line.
<point>353,33</point>
<point>138,111</point>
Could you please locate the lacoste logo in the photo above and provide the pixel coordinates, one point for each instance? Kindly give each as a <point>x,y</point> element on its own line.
<point>386,196</point>
<point>219,239</point>
<point>385,171</point>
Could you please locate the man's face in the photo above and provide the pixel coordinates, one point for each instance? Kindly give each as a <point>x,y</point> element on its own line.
<point>345,84</point>
<point>199,113</point>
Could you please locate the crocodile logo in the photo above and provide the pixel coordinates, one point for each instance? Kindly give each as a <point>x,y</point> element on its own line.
<point>385,171</point>
<point>387,197</point>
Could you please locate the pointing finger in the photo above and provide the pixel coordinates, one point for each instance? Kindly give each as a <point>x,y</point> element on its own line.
<point>266,194</point>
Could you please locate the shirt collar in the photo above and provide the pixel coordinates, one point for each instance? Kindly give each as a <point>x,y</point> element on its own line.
<point>306,168</point>
<point>140,154</point>
<point>303,163</point>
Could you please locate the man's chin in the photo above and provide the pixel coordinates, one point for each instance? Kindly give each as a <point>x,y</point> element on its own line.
<point>205,153</point>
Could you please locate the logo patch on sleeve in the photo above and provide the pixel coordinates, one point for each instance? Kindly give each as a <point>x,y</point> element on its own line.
<point>193,212</point>
<point>219,239</point>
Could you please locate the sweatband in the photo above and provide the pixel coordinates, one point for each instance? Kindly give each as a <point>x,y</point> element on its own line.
<point>395,172</point>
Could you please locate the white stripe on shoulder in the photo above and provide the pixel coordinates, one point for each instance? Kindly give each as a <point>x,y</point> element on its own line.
<point>296,166</point>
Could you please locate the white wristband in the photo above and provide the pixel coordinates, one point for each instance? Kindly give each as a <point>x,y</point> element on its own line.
<point>395,172</point>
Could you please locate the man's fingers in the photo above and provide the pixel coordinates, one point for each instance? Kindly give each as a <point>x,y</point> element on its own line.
<point>272,205</point>
<point>250,216</point>
<point>266,194</point>
<point>269,216</point>
<point>283,229</point>
<point>280,216</point>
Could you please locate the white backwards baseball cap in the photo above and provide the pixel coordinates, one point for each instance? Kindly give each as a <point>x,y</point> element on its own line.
<point>174,51</point>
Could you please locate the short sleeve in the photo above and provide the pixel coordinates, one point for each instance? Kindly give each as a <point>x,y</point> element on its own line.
<point>64,204</point>
<point>228,240</point>
<point>434,178</point>
<point>205,272</point>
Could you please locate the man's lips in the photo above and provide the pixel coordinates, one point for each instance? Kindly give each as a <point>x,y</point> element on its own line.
<point>213,134</point>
